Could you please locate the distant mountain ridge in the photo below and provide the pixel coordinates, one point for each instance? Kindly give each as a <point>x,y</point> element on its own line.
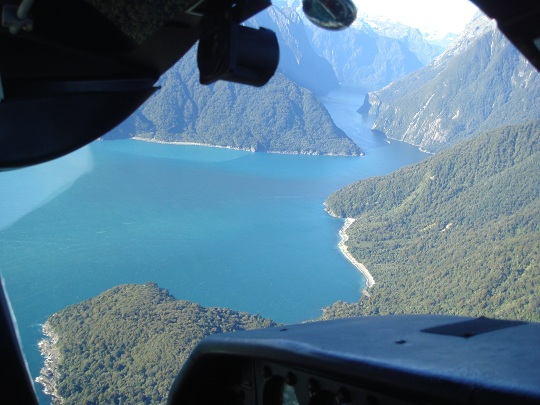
<point>480,82</point>
<point>362,58</point>
<point>369,54</point>
<point>413,38</point>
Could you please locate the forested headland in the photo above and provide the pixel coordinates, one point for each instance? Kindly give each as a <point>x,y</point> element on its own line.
<point>456,234</point>
<point>127,344</point>
<point>280,117</point>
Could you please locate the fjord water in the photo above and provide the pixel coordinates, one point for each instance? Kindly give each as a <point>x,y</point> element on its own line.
<point>219,227</point>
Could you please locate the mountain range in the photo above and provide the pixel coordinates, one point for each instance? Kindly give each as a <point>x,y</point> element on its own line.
<point>425,49</point>
<point>285,116</point>
<point>480,82</point>
<point>362,58</point>
<point>369,54</point>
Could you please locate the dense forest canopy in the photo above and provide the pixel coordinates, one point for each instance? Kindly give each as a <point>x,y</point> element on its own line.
<point>127,344</point>
<point>279,117</point>
<point>457,234</point>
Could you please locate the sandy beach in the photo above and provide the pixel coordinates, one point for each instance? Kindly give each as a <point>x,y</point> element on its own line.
<point>370,281</point>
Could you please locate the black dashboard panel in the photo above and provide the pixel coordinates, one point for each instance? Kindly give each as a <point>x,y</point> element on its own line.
<point>412,359</point>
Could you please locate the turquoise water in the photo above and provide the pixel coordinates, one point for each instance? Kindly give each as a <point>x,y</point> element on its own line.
<point>216,226</point>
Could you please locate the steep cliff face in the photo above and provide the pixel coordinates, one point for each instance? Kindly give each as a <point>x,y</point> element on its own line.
<point>370,54</point>
<point>363,58</point>
<point>411,37</point>
<point>480,82</point>
<point>298,60</point>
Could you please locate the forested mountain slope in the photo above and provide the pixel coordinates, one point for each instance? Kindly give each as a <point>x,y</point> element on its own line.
<point>284,116</point>
<point>279,117</point>
<point>480,82</point>
<point>127,344</point>
<point>458,233</point>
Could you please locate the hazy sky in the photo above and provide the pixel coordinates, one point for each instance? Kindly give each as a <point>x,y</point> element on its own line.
<point>427,15</point>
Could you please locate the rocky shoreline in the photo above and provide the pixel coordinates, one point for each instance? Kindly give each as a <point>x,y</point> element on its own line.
<point>49,374</point>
